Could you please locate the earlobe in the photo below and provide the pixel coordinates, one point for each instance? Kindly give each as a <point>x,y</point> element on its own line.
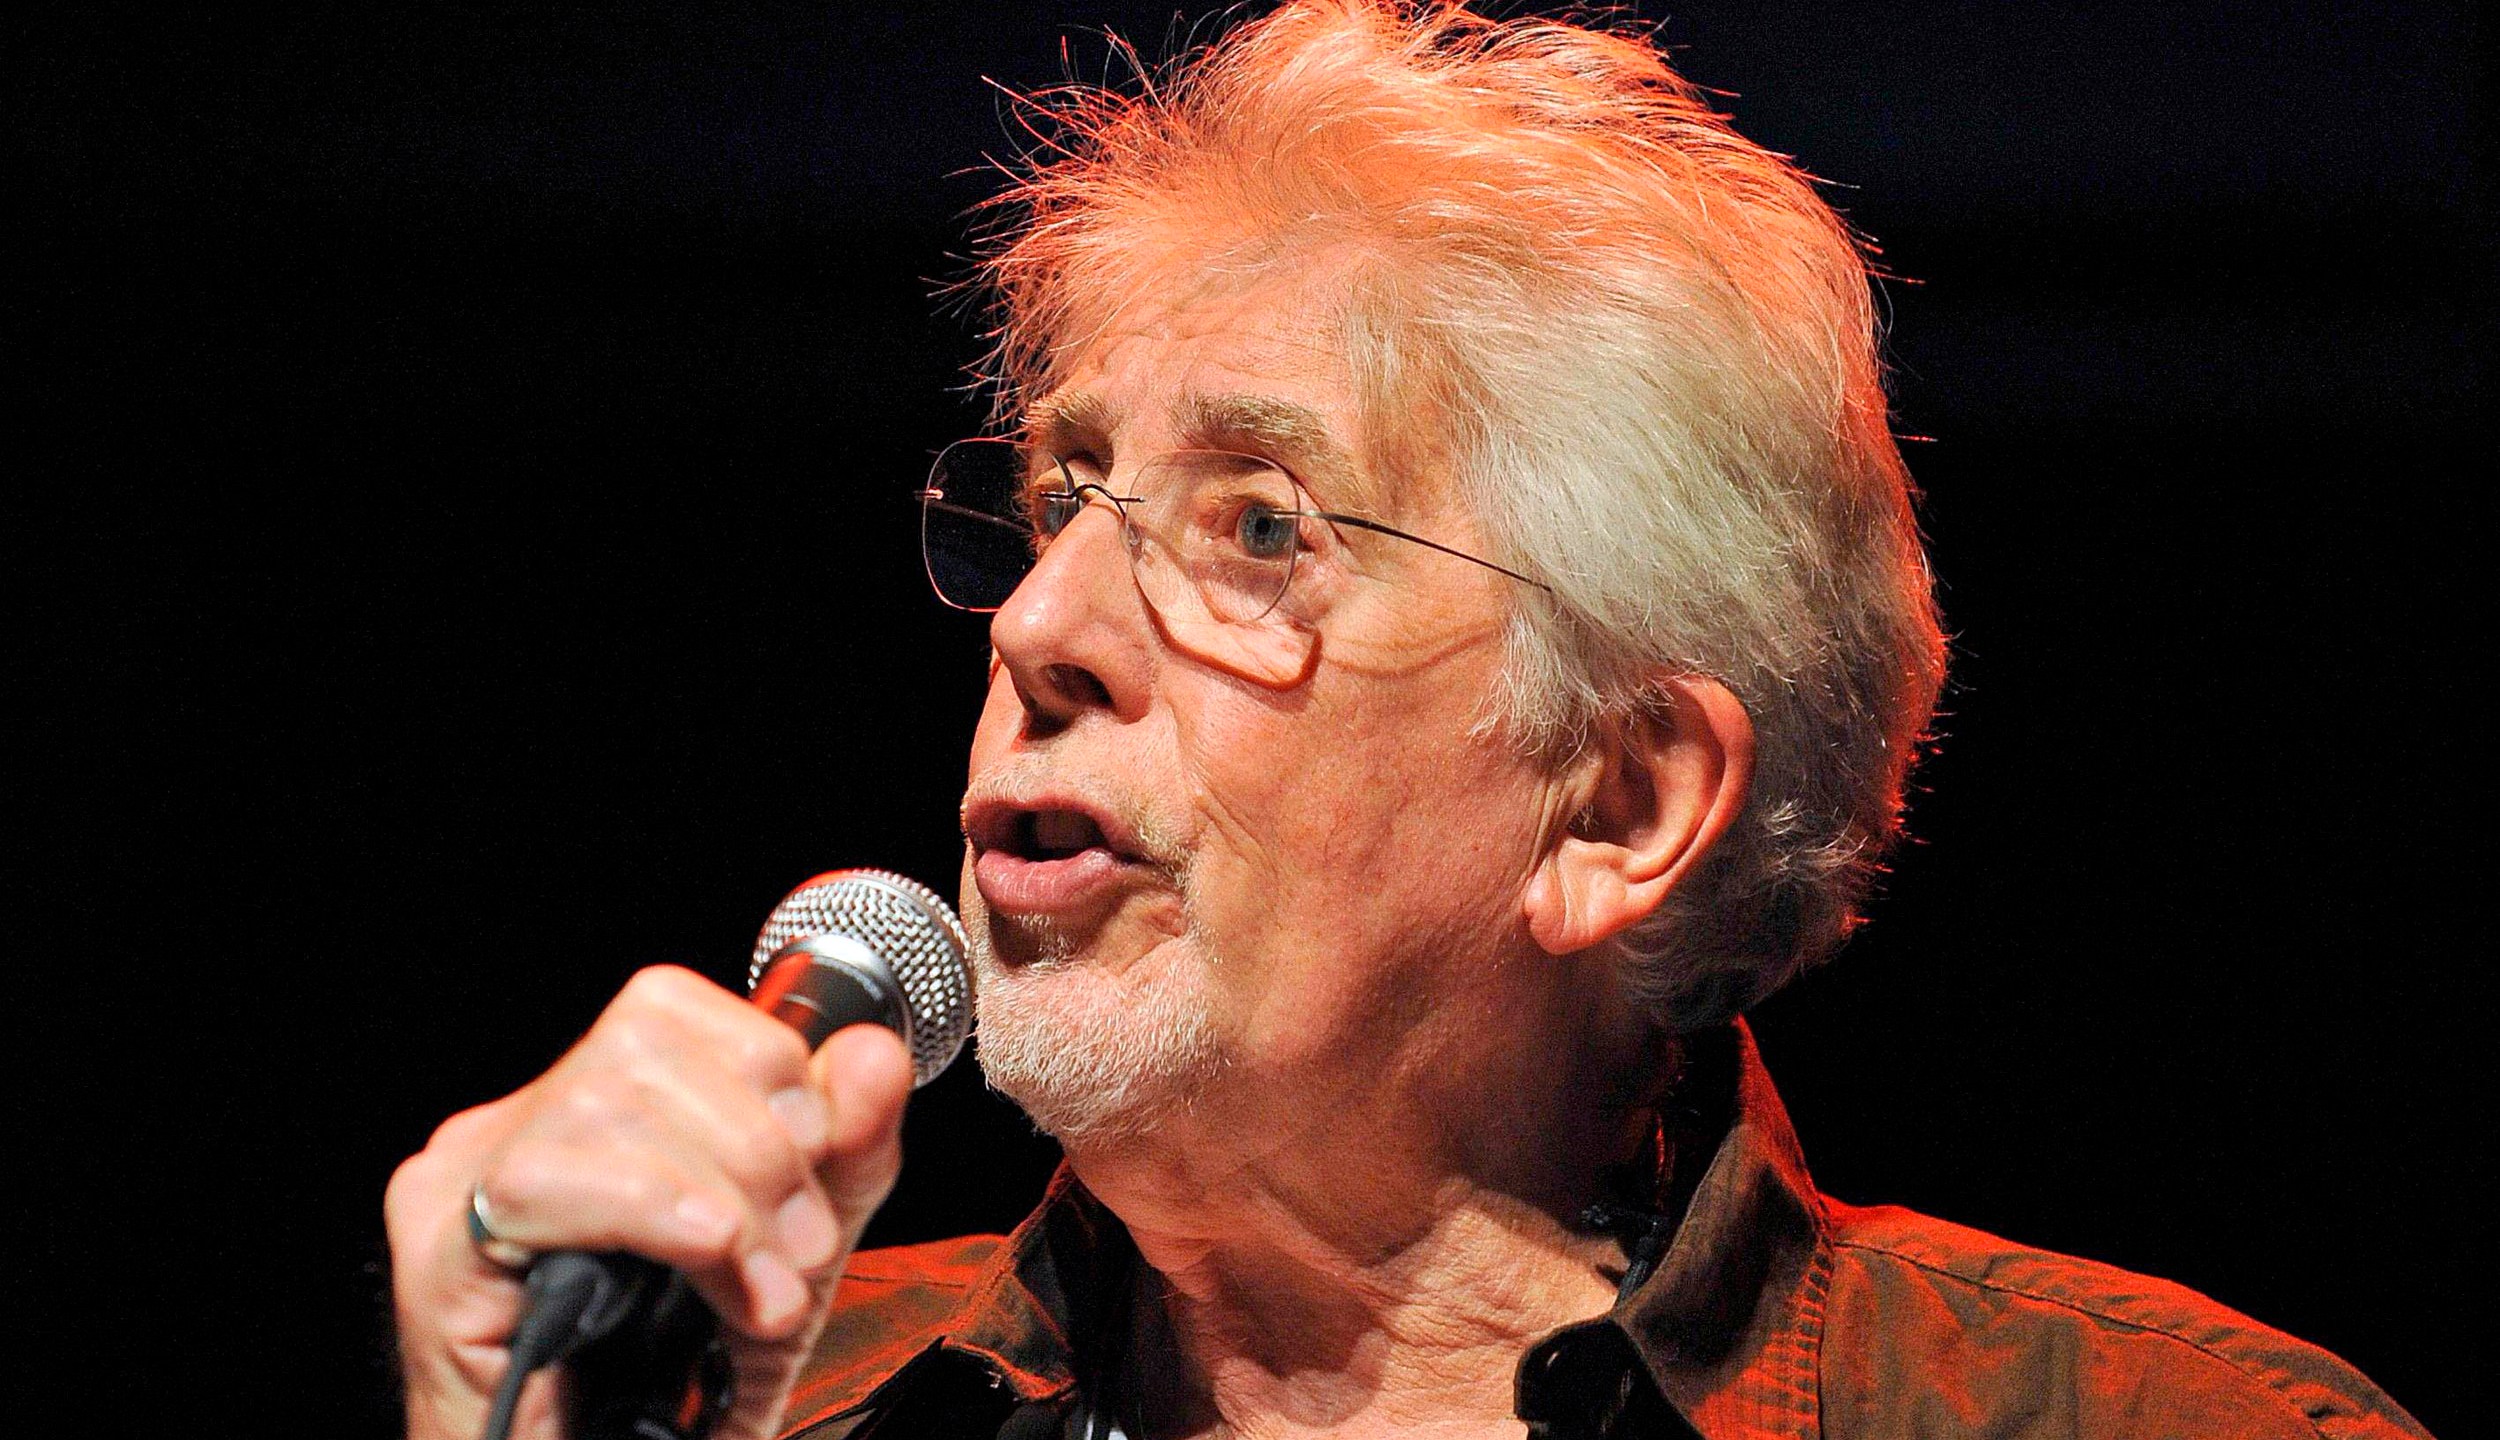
<point>1649,801</point>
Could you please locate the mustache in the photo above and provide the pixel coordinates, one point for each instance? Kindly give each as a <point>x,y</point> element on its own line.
<point>1027,781</point>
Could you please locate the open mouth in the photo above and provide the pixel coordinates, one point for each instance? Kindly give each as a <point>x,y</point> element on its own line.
<point>1042,831</point>
<point>1048,856</point>
<point>1053,834</point>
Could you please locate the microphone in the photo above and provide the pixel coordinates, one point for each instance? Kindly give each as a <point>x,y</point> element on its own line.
<point>867,945</point>
<point>845,948</point>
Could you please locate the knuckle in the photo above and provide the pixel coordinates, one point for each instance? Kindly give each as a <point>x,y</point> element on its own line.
<point>665,987</point>
<point>465,1129</point>
<point>721,1248</point>
<point>634,1031</point>
<point>769,1046</point>
<point>758,1152</point>
<point>514,1180</point>
<point>660,1199</point>
<point>592,1101</point>
<point>639,1192</point>
<point>420,1183</point>
<point>418,1178</point>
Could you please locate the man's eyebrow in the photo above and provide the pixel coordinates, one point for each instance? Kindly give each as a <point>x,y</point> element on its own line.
<point>1295,436</point>
<point>1069,420</point>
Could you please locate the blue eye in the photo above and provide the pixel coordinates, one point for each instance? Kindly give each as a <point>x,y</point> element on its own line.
<point>1263,532</point>
<point>1053,510</point>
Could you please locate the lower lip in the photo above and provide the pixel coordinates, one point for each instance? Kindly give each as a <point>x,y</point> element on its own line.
<point>1013,885</point>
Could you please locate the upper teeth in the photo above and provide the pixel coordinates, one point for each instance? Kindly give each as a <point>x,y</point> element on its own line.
<point>1062,830</point>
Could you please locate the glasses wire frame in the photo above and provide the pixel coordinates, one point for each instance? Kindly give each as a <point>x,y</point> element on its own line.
<point>968,593</point>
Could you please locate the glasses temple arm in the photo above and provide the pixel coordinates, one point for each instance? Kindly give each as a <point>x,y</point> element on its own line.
<point>1377,528</point>
<point>936,500</point>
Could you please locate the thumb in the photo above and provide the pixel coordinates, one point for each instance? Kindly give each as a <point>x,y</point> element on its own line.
<point>864,1076</point>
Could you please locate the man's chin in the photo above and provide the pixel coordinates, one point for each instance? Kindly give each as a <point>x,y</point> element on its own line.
<point>1092,1054</point>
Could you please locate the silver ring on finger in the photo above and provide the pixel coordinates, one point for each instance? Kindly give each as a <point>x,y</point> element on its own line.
<point>497,1251</point>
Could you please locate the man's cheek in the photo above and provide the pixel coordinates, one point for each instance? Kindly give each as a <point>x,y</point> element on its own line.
<point>1001,715</point>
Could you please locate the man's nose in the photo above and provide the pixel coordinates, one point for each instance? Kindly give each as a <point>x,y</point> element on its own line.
<point>1075,636</point>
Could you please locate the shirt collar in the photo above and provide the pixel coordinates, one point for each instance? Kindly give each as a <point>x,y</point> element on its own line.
<point>1730,1324</point>
<point>1040,1314</point>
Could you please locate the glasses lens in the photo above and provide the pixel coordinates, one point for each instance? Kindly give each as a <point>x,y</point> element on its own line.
<point>1212,539</point>
<point>976,532</point>
<point>1217,536</point>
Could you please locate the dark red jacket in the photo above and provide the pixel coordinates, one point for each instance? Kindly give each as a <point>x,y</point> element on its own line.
<point>1774,1312</point>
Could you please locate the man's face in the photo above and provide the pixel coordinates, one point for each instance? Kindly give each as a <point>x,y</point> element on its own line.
<point>1197,881</point>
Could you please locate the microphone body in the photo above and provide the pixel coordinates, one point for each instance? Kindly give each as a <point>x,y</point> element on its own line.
<point>846,948</point>
<point>822,983</point>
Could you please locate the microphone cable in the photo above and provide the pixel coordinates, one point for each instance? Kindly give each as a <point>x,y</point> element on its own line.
<point>570,1299</point>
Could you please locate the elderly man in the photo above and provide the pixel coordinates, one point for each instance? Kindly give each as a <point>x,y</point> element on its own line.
<point>1459,641</point>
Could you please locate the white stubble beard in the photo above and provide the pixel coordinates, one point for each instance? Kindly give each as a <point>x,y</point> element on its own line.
<point>1092,1055</point>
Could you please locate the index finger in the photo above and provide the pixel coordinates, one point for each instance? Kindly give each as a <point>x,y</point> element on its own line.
<point>672,1015</point>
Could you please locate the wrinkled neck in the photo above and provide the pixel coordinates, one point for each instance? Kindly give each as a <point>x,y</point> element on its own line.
<point>1377,1259</point>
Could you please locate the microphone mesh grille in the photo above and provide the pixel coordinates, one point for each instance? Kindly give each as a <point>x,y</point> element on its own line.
<point>907,926</point>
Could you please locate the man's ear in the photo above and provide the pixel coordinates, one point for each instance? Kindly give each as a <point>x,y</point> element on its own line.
<point>1646,802</point>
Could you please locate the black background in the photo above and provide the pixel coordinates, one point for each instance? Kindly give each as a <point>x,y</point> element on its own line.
<point>458,513</point>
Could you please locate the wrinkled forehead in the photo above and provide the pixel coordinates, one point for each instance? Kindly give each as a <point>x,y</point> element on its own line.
<point>1265,363</point>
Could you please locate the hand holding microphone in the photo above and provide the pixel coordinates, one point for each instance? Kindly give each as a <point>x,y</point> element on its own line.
<point>698,1131</point>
